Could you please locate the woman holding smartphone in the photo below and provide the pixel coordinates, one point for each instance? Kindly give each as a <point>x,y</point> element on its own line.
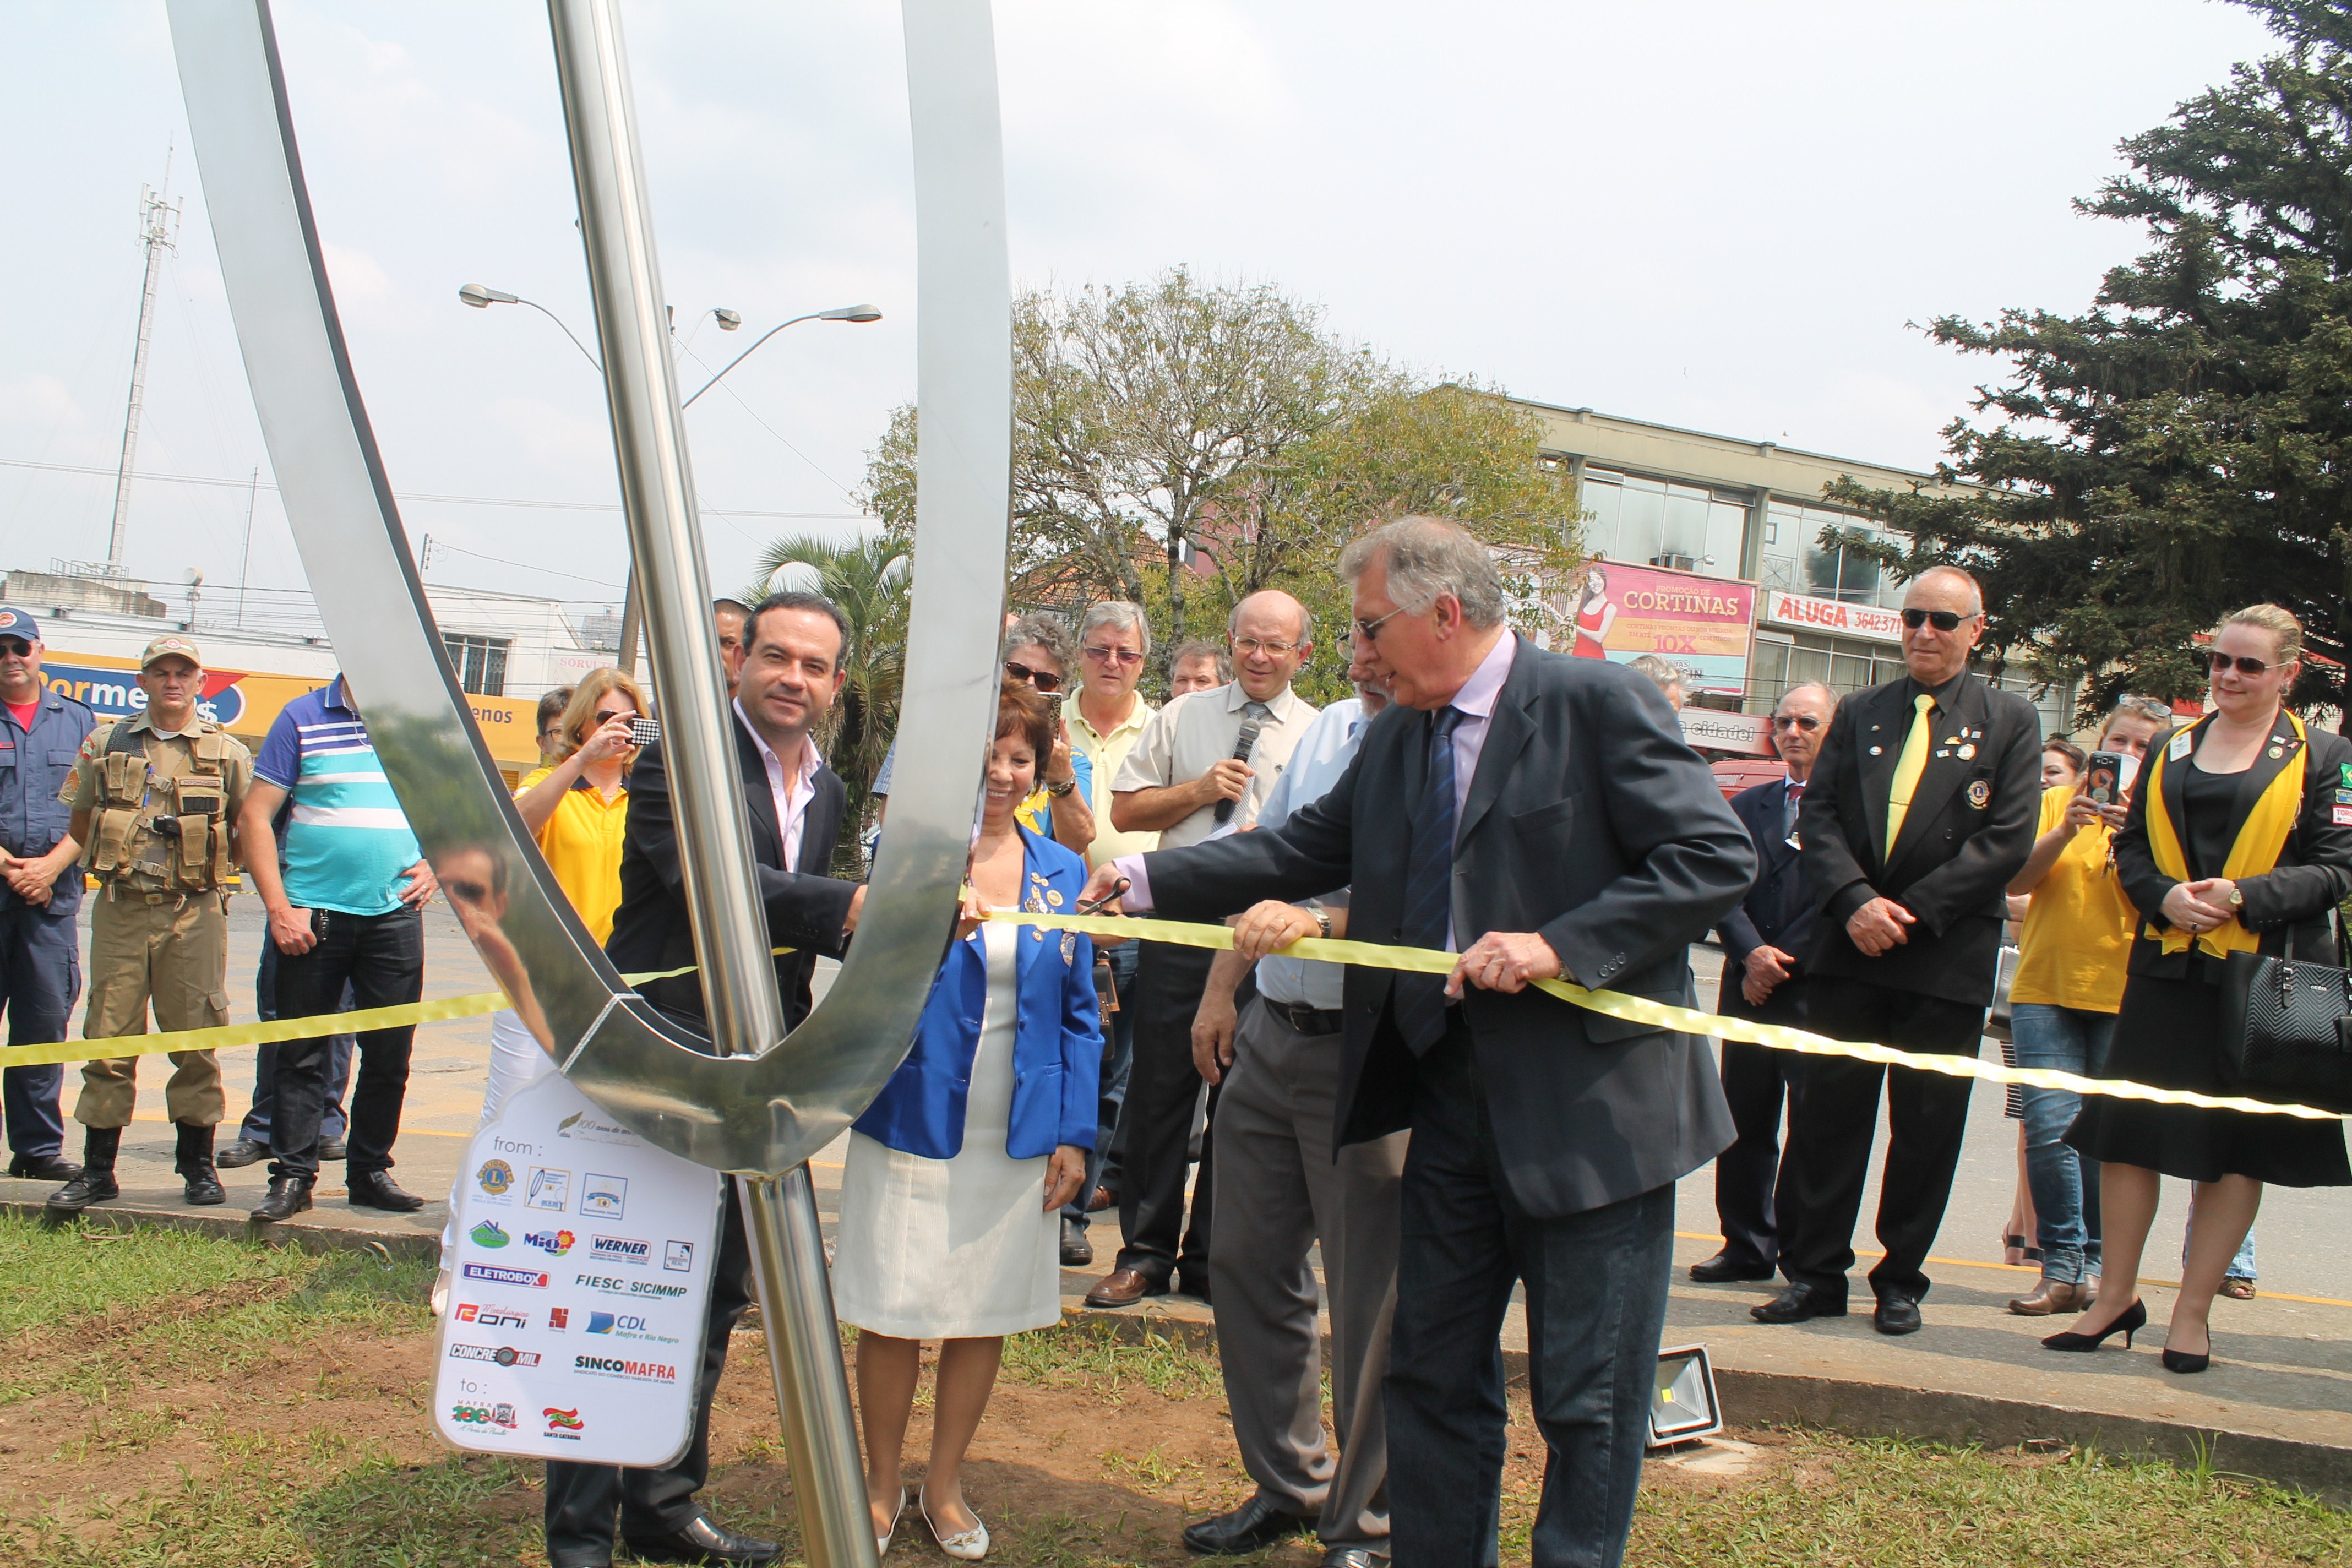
<point>2230,845</point>
<point>2070,982</point>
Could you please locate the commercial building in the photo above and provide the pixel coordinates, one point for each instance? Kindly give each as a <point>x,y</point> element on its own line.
<point>1711,530</point>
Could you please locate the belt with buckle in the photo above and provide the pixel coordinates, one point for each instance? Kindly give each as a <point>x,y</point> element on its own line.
<point>1307,1020</point>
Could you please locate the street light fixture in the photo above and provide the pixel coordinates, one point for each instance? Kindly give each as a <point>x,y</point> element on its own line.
<point>481,297</point>
<point>858,313</point>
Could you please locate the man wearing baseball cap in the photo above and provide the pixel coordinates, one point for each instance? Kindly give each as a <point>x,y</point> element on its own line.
<point>41,732</point>
<point>155,799</point>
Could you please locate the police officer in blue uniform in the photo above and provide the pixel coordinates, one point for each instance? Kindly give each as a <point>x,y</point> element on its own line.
<point>41,732</point>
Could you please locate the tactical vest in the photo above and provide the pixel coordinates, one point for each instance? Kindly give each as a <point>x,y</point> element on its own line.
<point>182,841</point>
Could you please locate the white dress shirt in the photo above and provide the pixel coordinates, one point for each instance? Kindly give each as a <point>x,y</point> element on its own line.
<point>791,792</point>
<point>1195,732</point>
<point>1322,754</point>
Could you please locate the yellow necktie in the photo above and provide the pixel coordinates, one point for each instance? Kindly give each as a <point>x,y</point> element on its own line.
<point>1908,769</point>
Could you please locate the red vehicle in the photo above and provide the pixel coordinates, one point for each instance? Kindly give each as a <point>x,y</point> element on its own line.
<point>1733,774</point>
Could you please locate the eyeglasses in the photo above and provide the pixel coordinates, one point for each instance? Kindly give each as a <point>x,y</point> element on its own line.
<point>1245,646</point>
<point>1942,620</point>
<point>1370,630</point>
<point>549,730</point>
<point>1123,655</point>
<point>16,646</point>
<point>1043,679</point>
<point>2222,662</point>
<point>1804,721</point>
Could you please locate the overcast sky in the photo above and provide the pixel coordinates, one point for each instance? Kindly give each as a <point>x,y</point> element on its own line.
<point>1717,215</point>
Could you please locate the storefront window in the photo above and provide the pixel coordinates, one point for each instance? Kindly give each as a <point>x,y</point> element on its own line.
<point>1655,522</point>
<point>1792,559</point>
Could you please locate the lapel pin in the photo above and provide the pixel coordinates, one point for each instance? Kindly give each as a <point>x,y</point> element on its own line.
<point>1979,794</point>
<point>1967,751</point>
<point>1875,750</point>
<point>2277,751</point>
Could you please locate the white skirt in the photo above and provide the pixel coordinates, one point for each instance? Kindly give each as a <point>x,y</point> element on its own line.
<point>960,1248</point>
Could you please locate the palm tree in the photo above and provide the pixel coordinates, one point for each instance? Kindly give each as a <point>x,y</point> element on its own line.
<point>868,578</point>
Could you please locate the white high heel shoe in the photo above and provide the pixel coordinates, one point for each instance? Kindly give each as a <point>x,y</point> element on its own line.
<point>965,1546</point>
<point>882,1542</point>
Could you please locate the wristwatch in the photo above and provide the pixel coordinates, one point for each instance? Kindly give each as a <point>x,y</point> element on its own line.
<point>2237,897</point>
<point>1322,918</point>
<point>1058,790</point>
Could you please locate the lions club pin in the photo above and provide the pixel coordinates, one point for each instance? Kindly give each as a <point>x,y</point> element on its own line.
<point>1979,794</point>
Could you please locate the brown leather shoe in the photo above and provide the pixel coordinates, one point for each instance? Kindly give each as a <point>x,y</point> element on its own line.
<point>2050,1297</point>
<point>1124,1288</point>
<point>1103,1198</point>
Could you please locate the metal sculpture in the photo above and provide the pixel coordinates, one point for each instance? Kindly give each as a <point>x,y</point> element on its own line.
<point>766,1101</point>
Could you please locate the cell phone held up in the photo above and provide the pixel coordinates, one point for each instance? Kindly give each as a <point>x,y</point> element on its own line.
<point>644,732</point>
<point>2103,774</point>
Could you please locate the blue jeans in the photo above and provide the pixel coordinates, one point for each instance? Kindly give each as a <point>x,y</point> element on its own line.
<point>40,975</point>
<point>1119,1056</point>
<point>2065,1186</point>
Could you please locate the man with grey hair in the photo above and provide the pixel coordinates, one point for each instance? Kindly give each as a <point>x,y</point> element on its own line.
<point>1668,678</point>
<point>1197,666</point>
<point>1203,768</point>
<point>1541,816</point>
<point>1765,941</point>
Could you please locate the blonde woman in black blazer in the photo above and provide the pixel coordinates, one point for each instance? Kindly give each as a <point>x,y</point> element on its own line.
<point>2235,858</point>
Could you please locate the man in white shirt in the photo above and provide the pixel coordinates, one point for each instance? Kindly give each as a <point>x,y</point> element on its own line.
<point>1203,765</point>
<point>1280,1191</point>
<point>1107,720</point>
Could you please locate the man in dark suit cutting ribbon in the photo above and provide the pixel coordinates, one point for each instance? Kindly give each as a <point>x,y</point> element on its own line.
<point>1542,818</point>
<point>1919,812</point>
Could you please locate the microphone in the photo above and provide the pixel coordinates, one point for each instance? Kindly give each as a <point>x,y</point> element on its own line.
<point>1241,745</point>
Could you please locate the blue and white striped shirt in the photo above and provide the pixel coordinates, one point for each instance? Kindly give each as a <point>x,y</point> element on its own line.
<point>348,845</point>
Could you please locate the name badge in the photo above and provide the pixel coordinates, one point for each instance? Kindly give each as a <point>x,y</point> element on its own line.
<point>2180,749</point>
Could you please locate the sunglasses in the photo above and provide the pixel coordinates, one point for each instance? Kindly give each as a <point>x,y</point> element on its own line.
<point>1106,655</point>
<point>1804,721</point>
<point>2222,662</point>
<point>1043,679</point>
<point>16,646</point>
<point>1942,620</point>
<point>467,892</point>
<point>605,719</point>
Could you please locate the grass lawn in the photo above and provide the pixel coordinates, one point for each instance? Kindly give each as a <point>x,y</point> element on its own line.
<point>171,1399</point>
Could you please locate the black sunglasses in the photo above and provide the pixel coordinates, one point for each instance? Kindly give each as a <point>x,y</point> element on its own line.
<point>1804,721</point>
<point>2222,661</point>
<point>1043,679</point>
<point>16,646</point>
<point>1942,620</point>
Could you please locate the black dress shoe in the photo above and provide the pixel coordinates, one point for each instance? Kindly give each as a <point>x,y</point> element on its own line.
<point>1797,1303</point>
<point>50,1167</point>
<point>1077,1251</point>
<point>1256,1524</point>
<point>703,1540</point>
<point>1896,1315</point>
<point>243,1153</point>
<point>333,1151</point>
<point>90,1185</point>
<point>1354,1557</point>
<point>377,1190</point>
<point>201,1185</point>
<point>1193,1284</point>
<point>288,1195</point>
<point>1722,1269</point>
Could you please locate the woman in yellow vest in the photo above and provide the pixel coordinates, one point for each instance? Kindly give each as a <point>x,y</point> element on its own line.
<point>2234,844</point>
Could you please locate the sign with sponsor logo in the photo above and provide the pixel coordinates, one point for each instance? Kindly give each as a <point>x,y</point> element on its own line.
<point>593,1375</point>
<point>1701,626</point>
<point>1867,622</point>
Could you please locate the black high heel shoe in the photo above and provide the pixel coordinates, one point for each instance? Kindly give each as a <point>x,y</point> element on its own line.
<point>2129,1321</point>
<point>2182,1362</point>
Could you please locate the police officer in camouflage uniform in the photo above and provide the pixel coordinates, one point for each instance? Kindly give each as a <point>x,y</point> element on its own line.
<point>155,799</point>
<point>41,732</point>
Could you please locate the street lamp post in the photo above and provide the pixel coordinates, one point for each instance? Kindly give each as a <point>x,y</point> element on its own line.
<point>481,297</point>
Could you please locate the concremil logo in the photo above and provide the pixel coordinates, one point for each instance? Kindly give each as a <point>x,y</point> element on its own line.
<point>504,1355</point>
<point>496,1178</point>
<point>549,1190</point>
<point>557,1242</point>
<point>620,1366</point>
<point>678,1256</point>
<point>586,1127</point>
<point>499,1414</point>
<point>604,1197</point>
<point>621,1249</point>
<point>492,1317</point>
<point>559,1319</point>
<point>491,1272</point>
<point>612,1287</point>
<point>563,1424</point>
<point>489,1234</point>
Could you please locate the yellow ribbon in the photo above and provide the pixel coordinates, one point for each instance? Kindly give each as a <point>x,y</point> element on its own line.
<point>2257,848</point>
<point>1660,1014</point>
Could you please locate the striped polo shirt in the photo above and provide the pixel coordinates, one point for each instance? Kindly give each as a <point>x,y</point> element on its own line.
<point>348,846</point>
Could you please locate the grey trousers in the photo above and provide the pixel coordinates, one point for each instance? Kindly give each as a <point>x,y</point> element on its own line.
<point>1278,1191</point>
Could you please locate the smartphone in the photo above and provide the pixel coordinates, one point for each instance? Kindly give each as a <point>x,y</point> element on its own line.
<point>1053,707</point>
<point>644,732</point>
<point>2104,771</point>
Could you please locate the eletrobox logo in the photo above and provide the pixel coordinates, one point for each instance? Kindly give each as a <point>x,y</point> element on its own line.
<point>496,1275</point>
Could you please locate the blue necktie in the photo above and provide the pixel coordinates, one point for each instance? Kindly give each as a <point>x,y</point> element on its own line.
<point>1429,888</point>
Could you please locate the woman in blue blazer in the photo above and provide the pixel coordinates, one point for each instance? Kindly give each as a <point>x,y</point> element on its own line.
<point>948,1198</point>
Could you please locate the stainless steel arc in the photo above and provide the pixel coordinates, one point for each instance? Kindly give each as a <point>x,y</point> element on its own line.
<point>761,1113</point>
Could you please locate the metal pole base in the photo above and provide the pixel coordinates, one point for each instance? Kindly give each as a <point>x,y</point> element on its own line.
<point>780,1221</point>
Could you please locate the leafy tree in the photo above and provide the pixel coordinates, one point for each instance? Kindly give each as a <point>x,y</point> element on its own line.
<point>2184,447</point>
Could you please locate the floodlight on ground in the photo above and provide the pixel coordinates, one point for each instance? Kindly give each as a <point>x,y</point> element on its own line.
<point>1684,1406</point>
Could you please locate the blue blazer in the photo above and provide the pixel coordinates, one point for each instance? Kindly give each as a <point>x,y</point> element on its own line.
<point>1056,1039</point>
<point>1780,908</point>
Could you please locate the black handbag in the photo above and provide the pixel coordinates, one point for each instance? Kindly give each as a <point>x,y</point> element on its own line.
<point>2286,1029</point>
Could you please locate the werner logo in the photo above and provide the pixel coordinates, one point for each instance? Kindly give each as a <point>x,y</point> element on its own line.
<point>618,1366</point>
<point>612,1287</point>
<point>498,1276</point>
<point>504,1355</point>
<point>558,1242</point>
<point>492,1317</point>
<point>621,1249</point>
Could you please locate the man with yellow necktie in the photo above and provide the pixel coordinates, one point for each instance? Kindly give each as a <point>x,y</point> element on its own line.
<point>1920,810</point>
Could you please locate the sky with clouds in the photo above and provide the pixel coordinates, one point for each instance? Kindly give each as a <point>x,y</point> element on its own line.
<point>1722,217</point>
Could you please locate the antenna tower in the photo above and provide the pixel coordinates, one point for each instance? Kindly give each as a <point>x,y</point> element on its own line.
<point>159,227</point>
